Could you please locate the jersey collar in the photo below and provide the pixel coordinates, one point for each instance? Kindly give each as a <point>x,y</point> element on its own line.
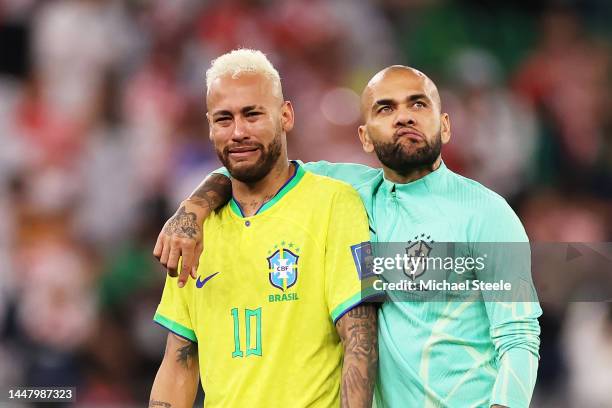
<point>289,184</point>
<point>416,186</point>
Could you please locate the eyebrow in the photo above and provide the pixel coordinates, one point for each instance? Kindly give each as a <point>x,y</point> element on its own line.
<point>244,110</point>
<point>383,102</point>
<point>222,113</point>
<point>411,98</point>
<point>250,108</point>
<point>416,97</point>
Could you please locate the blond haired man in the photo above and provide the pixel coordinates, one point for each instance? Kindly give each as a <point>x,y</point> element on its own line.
<point>275,316</point>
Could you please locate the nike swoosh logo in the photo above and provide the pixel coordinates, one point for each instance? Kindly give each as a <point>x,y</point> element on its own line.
<point>200,283</point>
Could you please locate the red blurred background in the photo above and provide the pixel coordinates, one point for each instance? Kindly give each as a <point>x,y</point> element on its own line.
<point>102,133</point>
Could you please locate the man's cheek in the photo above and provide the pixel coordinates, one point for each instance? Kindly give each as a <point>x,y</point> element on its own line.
<point>221,137</point>
<point>378,129</point>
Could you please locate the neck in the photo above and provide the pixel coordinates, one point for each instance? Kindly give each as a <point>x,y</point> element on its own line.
<point>251,196</point>
<point>412,174</point>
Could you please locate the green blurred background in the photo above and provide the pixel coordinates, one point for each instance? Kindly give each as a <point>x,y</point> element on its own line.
<point>102,133</point>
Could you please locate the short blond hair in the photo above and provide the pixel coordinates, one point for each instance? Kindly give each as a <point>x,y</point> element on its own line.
<point>241,61</point>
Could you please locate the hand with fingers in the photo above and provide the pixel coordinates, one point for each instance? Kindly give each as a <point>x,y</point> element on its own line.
<point>181,236</point>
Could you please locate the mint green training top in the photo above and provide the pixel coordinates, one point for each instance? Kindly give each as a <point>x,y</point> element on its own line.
<point>448,354</point>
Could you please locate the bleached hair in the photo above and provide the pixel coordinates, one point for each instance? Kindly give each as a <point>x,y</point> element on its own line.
<point>240,61</point>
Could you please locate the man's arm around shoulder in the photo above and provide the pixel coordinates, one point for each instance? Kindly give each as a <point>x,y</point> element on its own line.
<point>182,233</point>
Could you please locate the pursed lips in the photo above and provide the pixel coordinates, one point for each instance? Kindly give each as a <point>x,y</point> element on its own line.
<point>412,134</point>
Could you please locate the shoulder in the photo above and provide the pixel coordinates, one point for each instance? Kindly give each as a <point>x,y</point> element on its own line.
<point>323,166</point>
<point>327,195</point>
<point>471,193</point>
<point>351,173</point>
<point>323,186</point>
<point>490,215</point>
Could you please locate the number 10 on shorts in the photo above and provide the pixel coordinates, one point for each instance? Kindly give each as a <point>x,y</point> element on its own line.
<point>252,323</point>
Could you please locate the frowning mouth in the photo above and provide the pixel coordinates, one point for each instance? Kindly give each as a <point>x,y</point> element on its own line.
<point>243,149</point>
<point>412,134</point>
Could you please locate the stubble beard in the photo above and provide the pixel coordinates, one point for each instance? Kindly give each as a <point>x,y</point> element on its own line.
<point>396,157</point>
<point>268,158</point>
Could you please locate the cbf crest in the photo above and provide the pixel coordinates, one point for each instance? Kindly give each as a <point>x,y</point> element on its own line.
<point>417,251</point>
<point>283,267</point>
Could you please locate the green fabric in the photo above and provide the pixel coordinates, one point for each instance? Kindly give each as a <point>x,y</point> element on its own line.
<point>448,353</point>
<point>176,327</point>
<point>452,354</point>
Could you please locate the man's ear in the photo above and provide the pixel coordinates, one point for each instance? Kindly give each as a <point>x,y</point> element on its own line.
<point>445,128</point>
<point>287,116</point>
<point>366,142</point>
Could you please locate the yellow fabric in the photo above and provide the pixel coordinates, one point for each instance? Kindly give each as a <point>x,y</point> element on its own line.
<point>295,360</point>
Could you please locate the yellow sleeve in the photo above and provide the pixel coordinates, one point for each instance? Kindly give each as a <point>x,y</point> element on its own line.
<point>347,237</point>
<point>173,310</point>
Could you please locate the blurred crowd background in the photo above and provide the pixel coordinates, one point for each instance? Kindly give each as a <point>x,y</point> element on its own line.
<point>102,133</point>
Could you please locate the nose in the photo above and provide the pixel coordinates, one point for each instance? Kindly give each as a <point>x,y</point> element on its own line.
<point>404,117</point>
<point>240,130</point>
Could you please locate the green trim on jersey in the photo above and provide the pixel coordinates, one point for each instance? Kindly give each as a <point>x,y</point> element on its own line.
<point>292,182</point>
<point>235,207</point>
<point>355,300</point>
<point>345,306</point>
<point>175,327</point>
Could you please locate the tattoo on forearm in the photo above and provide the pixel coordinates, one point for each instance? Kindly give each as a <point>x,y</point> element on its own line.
<point>159,404</point>
<point>361,355</point>
<point>353,380</point>
<point>182,224</point>
<point>186,354</point>
<point>362,312</point>
<point>362,337</point>
<point>213,193</point>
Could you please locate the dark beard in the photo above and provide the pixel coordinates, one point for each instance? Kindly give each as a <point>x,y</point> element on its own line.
<point>394,156</point>
<point>268,158</point>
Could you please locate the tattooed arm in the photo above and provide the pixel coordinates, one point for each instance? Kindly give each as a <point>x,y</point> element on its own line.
<point>358,331</point>
<point>182,233</point>
<point>176,382</point>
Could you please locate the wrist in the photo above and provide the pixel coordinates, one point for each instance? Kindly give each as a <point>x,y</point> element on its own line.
<point>197,206</point>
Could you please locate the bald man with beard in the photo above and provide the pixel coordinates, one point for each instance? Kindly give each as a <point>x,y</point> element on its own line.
<point>431,354</point>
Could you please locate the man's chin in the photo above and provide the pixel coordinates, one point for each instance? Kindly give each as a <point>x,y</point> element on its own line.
<point>243,165</point>
<point>246,172</point>
<point>410,148</point>
<point>406,161</point>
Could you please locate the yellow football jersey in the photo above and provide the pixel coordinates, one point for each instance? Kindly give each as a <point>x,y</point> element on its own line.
<point>270,288</point>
